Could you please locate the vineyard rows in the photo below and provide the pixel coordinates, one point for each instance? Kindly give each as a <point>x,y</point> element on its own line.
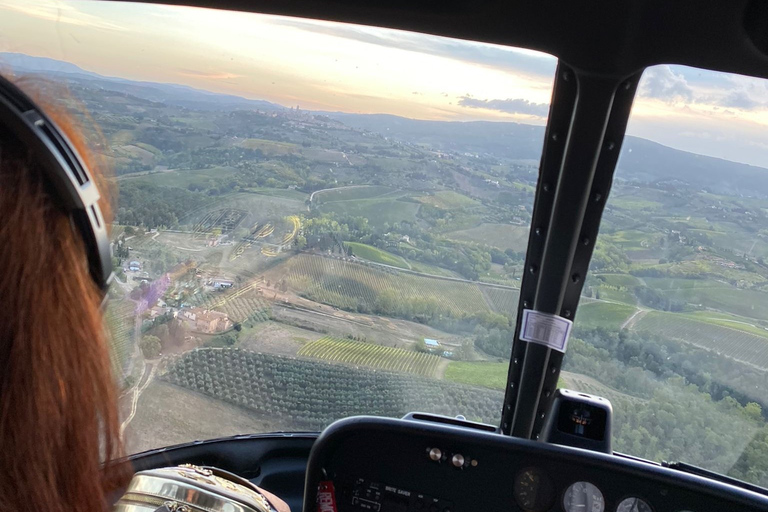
<point>312,394</point>
<point>368,354</point>
<point>501,300</point>
<point>331,280</point>
<point>120,322</point>
<point>733,343</point>
<point>296,224</point>
<point>589,385</point>
<point>247,243</point>
<point>240,305</point>
<point>225,218</point>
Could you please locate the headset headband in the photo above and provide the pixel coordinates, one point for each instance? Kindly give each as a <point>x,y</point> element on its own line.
<point>71,182</point>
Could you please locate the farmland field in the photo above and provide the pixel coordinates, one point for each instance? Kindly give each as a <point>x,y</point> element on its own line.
<point>269,147</point>
<point>586,384</point>
<point>370,253</point>
<point>368,354</point>
<point>603,314</point>
<point>502,300</point>
<point>312,394</point>
<point>194,177</point>
<point>734,343</point>
<point>447,200</point>
<point>120,321</point>
<point>240,304</point>
<point>348,284</point>
<point>503,236</point>
<point>378,211</point>
<point>478,373</point>
<point>350,193</point>
<point>715,295</point>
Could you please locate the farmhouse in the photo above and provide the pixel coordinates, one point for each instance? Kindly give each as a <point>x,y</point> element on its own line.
<point>205,320</point>
<point>221,284</point>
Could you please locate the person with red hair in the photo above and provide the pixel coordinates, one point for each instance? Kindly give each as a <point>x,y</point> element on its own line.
<point>59,421</point>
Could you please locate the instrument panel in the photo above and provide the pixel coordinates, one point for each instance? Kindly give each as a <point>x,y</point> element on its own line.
<point>387,465</point>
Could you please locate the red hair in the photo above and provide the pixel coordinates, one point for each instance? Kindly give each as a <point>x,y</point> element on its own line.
<point>59,424</point>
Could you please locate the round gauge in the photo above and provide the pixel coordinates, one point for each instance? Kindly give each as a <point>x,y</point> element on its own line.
<point>633,505</point>
<point>583,497</point>
<point>534,490</point>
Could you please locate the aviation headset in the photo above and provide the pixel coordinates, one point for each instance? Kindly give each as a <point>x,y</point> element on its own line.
<point>71,184</point>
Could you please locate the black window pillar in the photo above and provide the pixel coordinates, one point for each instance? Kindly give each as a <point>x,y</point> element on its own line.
<point>586,126</point>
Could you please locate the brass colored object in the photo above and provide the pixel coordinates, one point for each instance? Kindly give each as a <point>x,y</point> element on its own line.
<point>189,488</point>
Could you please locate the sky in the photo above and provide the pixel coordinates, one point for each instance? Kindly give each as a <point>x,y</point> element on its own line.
<point>340,67</point>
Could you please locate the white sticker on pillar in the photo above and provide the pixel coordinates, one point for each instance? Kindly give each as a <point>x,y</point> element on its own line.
<point>545,329</point>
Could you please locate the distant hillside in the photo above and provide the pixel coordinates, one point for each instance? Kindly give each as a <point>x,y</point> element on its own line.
<point>641,159</point>
<point>509,140</point>
<point>644,160</point>
<point>169,94</point>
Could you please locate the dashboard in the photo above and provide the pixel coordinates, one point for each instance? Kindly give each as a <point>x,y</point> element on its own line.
<point>387,465</point>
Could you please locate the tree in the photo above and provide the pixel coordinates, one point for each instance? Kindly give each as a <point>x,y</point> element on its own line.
<point>150,346</point>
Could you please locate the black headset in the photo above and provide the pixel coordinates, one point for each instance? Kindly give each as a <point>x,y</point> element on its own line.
<point>71,183</point>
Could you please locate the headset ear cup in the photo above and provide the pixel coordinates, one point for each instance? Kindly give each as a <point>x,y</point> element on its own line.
<point>71,184</point>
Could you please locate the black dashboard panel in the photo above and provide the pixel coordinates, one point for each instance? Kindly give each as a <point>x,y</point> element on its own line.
<point>388,465</point>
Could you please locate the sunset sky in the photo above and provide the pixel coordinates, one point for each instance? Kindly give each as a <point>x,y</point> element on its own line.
<point>339,67</point>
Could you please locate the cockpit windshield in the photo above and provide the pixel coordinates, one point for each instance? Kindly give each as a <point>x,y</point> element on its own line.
<point>314,220</point>
<point>673,324</point>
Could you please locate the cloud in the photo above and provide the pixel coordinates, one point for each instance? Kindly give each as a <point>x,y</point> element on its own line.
<point>510,106</point>
<point>61,12</point>
<point>660,82</point>
<point>210,76</point>
<point>741,100</point>
<point>497,57</point>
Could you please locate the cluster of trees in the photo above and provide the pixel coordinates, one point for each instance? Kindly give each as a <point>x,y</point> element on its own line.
<point>151,206</point>
<point>674,419</point>
<point>718,377</point>
<point>326,231</point>
<point>653,298</point>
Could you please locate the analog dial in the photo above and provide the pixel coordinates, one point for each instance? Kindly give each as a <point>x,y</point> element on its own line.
<point>633,505</point>
<point>583,497</point>
<point>534,490</point>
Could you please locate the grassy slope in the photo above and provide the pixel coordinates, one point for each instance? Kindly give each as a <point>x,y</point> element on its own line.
<point>486,374</point>
<point>370,253</point>
<point>603,314</point>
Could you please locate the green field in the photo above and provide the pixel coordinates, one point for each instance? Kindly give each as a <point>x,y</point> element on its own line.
<point>503,236</point>
<point>715,295</point>
<point>201,178</point>
<point>359,353</point>
<point>632,240</point>
<point>350,193</point>
<point>618,280</point>
<point>737,344</point>
<point>270,147</point>
<point>281,192</point>
<point>478,373</point>
<point>378,211</point>
<point>603,314</point>
<point>376,255</point>
<point>448,200</point>
<point>353,285</point>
